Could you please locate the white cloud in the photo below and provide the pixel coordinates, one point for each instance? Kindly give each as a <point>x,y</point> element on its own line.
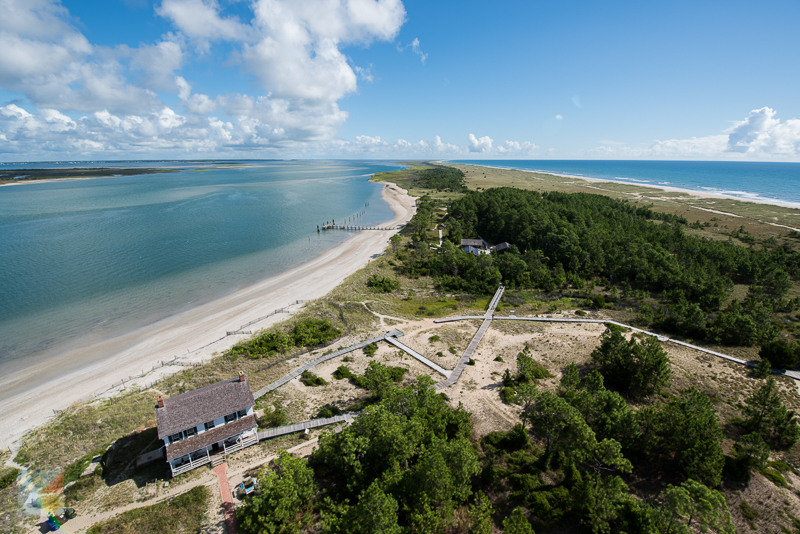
<point>762,134</point>
<point>415,47</point>
<point>201,21</point>
<point>516,148</point>
<point>484,144</point>
<point>112,95</point>
<point>759,136</point>
<point>297,54</point>
<point>443,147</point>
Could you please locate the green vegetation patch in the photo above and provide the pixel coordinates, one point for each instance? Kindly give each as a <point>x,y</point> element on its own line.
<point>273,418</point>
<point>306,333</point>
<point>180,515</point>
<point>8,475</point>
<point>310,379</point>
<point>382,284</point>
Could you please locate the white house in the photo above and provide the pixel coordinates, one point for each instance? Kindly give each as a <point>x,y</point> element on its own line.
<point>198,425</point>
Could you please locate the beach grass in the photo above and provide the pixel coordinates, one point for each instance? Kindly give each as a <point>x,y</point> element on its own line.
<point>181,514</point>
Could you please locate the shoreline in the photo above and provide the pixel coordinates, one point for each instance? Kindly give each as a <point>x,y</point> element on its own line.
<point>665,188</point>
<point>129,354</point>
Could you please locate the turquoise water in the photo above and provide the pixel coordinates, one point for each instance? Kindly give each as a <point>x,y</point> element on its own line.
<point>773,181</point>
<point>92,259</point>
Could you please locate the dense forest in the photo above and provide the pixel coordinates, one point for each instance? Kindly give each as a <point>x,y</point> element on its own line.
<point>579,458</point>
<point>580,240</point>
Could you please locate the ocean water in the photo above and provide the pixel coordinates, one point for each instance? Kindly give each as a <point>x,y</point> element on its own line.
<point>92,259</point>
<point>774,182</point>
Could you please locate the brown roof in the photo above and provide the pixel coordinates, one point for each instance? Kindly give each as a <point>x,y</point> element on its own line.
<point>176,450</point>
<point>202,405</point>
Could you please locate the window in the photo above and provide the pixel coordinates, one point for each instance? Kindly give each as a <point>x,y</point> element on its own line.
<point>241,413</point>
<point>175,437</point>
<point>210,425</point>
<point>191,432</point>
<point>230,417</point>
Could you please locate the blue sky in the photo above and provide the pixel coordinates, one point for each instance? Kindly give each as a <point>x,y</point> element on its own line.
<point>391,79</point>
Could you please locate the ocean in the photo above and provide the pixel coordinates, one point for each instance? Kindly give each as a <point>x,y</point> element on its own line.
<point>773,182</point>
<point>88,260</point>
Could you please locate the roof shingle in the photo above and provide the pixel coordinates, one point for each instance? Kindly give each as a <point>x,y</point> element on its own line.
<point>176,450</point>
<point>201,405</point>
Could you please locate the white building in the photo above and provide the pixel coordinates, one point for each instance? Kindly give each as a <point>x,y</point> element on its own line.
<point>198,425</point>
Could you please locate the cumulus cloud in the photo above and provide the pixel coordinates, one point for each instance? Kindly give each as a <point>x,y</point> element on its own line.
<point>484,144</point>
<point>201,21</point>
<point>115,95</point>
<point>517,148</point>
<point>760,135</point>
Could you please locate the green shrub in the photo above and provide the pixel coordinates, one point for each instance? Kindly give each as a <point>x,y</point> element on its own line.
<point>433,339</point>
<point>529,369</point>
<point>306,333</point>
<point>274,418</point>
<point>371,349</point>
<point>343,372</point>
<point>452,350</point>
<point>471,362</point>
<point>310,379</point>
<point>498,359</point>
<point>580,313</point>
<point>313,332</point>
<point>329,410</point>
<point>382,284</point>
<point>347,359</point>
<point>8,476</point>
<point>440,354</point>
<point>377,377</point>
<point>509,395</point>
<point>510,441</point>
<point>780,353</point>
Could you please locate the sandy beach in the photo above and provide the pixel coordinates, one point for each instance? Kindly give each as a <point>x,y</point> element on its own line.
<point>660,187</point>
<point>195,334</point>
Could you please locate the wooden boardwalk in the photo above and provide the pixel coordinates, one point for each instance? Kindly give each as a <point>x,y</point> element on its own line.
<point>297,372</point>
<point>418,356</point>
<point>356,227</point>
<point>313,423</point>
<point>476,339</point>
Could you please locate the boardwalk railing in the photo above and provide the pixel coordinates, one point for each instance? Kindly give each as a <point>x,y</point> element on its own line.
<point>313,423</point>
<point>487,321</point>
<point>355,227</point>
<point>418,356</point>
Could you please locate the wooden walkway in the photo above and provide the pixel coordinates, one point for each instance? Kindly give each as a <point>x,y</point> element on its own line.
<point>298,427</point>
<point>355,227</point>
<point>297,372</point>
<point>487,321</point>
<point>418,356</point>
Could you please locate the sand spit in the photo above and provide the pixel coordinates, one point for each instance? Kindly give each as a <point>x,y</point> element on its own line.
<point>184,334</point>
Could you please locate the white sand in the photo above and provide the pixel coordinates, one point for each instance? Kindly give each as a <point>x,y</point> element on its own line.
<point>128,355</point>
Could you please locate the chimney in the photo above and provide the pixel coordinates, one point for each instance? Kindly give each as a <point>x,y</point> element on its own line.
<point>241,376</point>
<point>160,401</point>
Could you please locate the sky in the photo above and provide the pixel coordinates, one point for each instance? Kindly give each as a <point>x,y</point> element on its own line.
<point>392,79</point>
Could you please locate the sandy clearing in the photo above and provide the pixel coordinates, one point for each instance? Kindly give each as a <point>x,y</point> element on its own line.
<point>127,355</point>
